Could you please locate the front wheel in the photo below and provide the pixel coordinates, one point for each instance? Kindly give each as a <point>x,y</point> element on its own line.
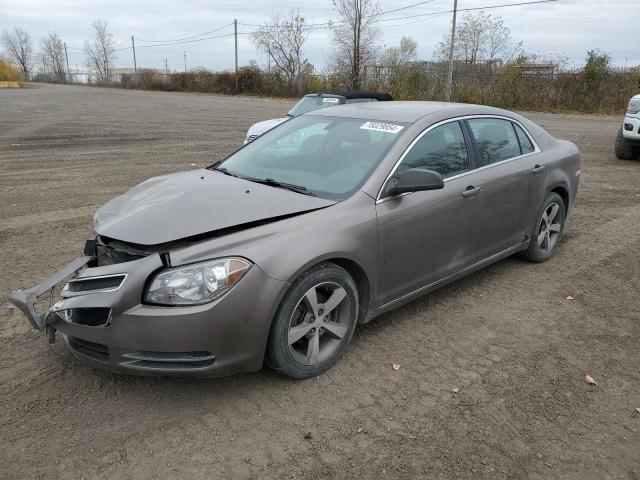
<point>314,322</point>
<point>624,148</point>
<point>548,230</point>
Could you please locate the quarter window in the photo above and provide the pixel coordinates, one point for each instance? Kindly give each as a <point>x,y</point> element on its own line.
<point>525,142</point>
<point>443,149</point>
<point>496,139</point>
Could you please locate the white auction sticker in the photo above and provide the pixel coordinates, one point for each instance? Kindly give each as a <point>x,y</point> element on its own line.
<point>382,127</point>
<point>330,100</point>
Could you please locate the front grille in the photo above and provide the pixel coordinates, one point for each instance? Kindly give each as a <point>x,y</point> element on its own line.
<point>107,255</point>
<point>100,283</point>
<point>90,349</point>
<point>170,360</point>
<point>90,317</point>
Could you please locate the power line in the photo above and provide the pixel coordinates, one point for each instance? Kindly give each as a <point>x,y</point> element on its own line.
<point>121,43</point>
<point>442,12</point>
<point>435,15</point>
<point>187,38</point>
<point>190,41</point>
<point>408,6</point>
<point>486,7</point>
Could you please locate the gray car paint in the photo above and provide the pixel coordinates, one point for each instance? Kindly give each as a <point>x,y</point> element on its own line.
<point>395,248</point>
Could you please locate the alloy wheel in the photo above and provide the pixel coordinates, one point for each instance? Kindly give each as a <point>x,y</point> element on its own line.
<point>319,323</point>
<point>549,228</point>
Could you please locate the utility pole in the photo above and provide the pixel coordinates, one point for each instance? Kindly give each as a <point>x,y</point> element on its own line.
<point>67,57</point>
<point>451,48</point>
<point>235,34</point>
<point>166,68</point>
<point>185,61</point>
<point>135,64</point>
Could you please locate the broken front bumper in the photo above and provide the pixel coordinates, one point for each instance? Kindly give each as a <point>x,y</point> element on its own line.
<point>103,320</point>
<point>25,300</point>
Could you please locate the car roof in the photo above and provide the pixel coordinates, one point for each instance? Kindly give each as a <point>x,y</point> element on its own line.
<point>407,112</point>
<point>380,96</point>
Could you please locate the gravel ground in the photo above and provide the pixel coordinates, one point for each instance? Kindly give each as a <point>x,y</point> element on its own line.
<point>508,337</point>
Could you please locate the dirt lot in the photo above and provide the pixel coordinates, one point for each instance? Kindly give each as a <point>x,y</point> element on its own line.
<point>508,337</point>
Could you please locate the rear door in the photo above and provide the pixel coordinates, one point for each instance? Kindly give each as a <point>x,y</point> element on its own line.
<point>510,180</point>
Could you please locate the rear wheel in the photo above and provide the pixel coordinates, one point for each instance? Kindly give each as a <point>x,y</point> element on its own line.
<point>314,322</point>
<point>548,230</point>
<point>625,150</point>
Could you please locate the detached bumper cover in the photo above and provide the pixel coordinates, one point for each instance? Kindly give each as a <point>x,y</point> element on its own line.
<point>25,300</point>
<point>220,338</point>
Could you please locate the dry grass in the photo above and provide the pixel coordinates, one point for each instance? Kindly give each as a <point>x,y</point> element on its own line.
<point>606,91</point>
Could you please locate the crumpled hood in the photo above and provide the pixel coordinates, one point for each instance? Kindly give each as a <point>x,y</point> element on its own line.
<point>179,205</point>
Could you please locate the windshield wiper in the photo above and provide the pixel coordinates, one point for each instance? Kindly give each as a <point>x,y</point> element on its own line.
<point>268,181</point>
<point>225,171</point>
<point>288,186</point>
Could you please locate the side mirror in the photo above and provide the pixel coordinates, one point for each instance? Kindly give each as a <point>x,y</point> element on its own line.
<point>414,180</point>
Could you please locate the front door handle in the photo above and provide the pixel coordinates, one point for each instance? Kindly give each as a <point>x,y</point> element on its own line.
<point>538,169</point>
<point>470,191</point>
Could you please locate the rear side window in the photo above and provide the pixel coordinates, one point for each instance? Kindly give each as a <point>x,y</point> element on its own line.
<point>496,139</point>
<point>443,149</point>
<point>525,143</point>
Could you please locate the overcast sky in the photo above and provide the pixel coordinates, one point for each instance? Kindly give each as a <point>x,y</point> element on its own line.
<point>566,27</point>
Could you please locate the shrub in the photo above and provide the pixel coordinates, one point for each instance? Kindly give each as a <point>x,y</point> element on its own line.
<point>8,72</point>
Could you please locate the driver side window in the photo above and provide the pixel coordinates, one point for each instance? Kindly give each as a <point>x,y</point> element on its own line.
<point>443,150</point>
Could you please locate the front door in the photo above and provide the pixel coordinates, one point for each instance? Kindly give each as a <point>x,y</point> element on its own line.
<point>426,236</point>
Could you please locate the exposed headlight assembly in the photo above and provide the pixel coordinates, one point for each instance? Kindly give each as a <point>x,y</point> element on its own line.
<point>196,283</point>
<point>634,106</point>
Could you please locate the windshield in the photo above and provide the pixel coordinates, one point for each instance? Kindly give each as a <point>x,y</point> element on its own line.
<point>328,156</point>
<point>308,104</point>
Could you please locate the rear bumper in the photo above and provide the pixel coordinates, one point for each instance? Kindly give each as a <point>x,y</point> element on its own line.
<point>631,128</point>
<point>224,337</point>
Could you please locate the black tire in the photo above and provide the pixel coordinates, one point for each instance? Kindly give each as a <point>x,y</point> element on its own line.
<point>287,359</point>
<point>624,148</point>
<point>536,252</point>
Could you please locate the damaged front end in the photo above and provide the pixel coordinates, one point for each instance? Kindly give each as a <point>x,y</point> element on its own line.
<point>82,276</point>
<point>25,300</point>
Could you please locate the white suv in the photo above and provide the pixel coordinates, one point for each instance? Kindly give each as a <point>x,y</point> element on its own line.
<point>315,101</point>
<point>628,140</point>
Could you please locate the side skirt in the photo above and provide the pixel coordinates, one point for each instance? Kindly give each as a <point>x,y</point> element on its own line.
<point>444,281</point>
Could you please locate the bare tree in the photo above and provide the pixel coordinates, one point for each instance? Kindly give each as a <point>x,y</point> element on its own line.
<point>52,57</point>
<point>354,37</point>
<point>19,45</point>
<point>480,37</point>
<point>282,40</point>
<point>401,55</point>
<point>100,52</point>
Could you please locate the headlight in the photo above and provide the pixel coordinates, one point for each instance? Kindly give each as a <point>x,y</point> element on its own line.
<point>196,283</point>
<point>634,106</point>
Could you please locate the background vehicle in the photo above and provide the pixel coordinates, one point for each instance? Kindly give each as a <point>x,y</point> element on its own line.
<point>316,101</point>
<point>279,250</point>
<point>628,139</point>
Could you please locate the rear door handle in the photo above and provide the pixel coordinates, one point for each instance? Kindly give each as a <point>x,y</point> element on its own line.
<point>470,191</point>
<point>538,169</point>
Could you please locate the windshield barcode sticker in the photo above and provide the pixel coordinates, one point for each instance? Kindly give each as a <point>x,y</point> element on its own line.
<point>382,127</point>
<point>330,100</point>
